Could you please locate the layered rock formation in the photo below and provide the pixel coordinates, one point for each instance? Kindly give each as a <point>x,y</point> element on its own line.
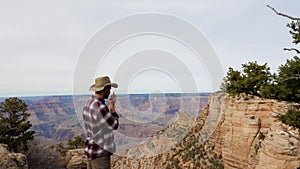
<point>12,160</point>
<point>248,133</point>
<point>75,159</point>
<point>177,146</point>
<point>234,132</point>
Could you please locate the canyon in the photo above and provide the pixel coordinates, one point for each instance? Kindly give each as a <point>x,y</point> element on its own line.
<point>231,132</point>
<point>207,131</point>
<point>59,118</point>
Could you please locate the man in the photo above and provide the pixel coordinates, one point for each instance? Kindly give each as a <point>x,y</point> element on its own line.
<point>99,122</point>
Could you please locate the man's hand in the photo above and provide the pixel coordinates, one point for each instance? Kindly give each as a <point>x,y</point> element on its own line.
<point>112,101</point>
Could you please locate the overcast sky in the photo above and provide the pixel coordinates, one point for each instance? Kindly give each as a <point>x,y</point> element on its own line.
<point>42,41</point>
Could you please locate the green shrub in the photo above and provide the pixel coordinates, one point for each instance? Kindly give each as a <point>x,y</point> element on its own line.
<point>292,118</point>
<point>76,142</point>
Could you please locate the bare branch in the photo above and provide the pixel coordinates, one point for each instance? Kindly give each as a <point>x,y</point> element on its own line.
<point>292,49</point>
<point>282,14</point>
<point>296,78</point>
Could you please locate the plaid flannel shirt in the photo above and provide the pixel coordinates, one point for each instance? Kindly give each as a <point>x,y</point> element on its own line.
<point>99,125</point>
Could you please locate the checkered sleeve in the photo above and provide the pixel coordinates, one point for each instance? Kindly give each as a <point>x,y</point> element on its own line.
<point>112,121</point>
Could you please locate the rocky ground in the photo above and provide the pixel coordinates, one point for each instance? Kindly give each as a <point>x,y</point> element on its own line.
<point>12,160</point>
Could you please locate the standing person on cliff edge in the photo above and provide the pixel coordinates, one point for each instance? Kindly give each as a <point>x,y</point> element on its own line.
<point>99,122</point>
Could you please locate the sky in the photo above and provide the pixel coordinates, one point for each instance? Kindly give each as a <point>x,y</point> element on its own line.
<point>45,45</point>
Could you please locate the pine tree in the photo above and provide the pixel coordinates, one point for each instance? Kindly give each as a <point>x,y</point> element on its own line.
<point>253,78</point>
<point>289,80</point>
<point>14,124</point>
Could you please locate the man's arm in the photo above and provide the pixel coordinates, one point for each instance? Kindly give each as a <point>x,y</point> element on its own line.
<point>109,118</point>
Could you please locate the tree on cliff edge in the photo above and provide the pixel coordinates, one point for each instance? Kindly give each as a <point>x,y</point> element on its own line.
<point>289,80</point>
<point>288,87</point>
<point>251,80</point>
<point>14,124</point>
<point>256,79</point>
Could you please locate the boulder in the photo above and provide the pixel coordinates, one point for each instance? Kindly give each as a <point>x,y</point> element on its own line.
<point>76,159</point>
<point>12,160</point>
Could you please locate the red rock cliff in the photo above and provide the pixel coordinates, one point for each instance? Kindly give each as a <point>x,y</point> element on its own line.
<point>248,134</point>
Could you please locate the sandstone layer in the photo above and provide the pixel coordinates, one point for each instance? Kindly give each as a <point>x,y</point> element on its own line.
<point>248,133</point>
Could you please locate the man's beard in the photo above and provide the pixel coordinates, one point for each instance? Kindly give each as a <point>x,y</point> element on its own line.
<point>106,96</point>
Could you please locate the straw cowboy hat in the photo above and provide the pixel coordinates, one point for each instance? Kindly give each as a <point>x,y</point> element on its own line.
<point>101,82</point>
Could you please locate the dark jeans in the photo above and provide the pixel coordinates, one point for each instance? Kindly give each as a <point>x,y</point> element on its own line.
<point>99,163</point>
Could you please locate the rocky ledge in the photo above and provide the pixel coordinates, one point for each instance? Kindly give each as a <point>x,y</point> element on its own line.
<point>12,160</point>
<point>250,135</point>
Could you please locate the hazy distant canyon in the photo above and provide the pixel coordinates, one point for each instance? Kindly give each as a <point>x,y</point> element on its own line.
<point>58,118</point>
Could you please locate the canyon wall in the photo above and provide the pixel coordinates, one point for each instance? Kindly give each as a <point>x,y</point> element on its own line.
<point>248,133</point>
<point>231,132</point>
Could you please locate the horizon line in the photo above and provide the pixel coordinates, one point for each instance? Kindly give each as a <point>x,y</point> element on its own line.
<point>81,94</point>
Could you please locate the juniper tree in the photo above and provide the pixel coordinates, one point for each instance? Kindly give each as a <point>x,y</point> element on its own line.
<point>14,125</point>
